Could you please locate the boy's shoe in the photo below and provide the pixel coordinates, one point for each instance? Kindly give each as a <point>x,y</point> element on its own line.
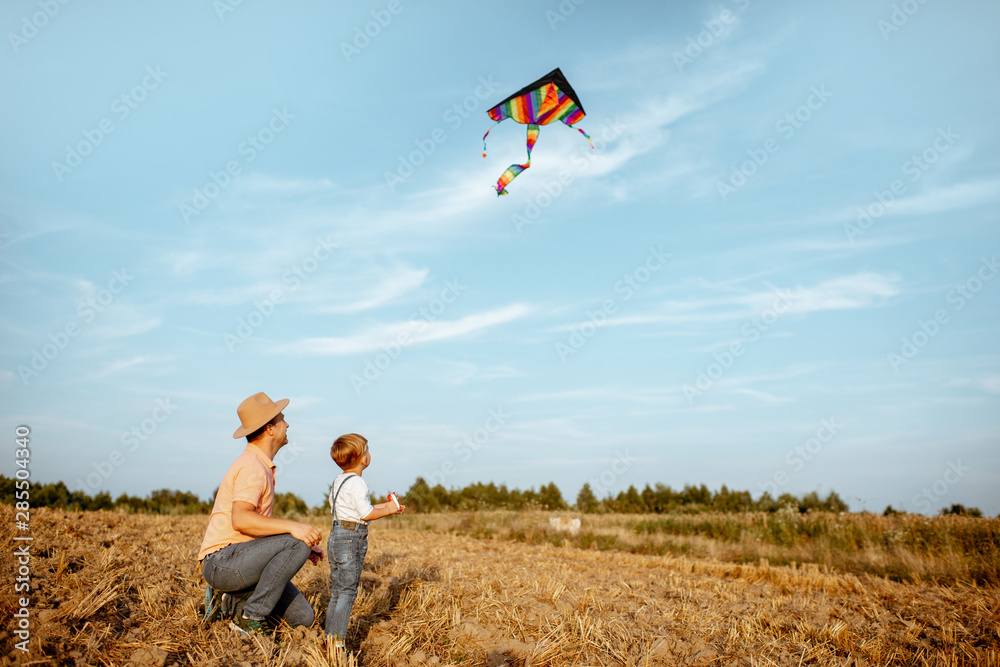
<point>213,606</point>
<point>250,626</point>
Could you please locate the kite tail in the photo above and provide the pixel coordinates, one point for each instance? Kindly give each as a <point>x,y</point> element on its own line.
<point>515,169</point>
<point>577,129</point>
<point>486,135</point>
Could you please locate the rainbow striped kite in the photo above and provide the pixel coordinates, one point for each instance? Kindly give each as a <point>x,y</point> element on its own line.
<point>549,99</point>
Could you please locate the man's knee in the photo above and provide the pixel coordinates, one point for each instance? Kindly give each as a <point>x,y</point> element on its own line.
<point>300,549</point>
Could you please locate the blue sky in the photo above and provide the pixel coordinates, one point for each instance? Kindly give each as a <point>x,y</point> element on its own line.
<point>775,270</point>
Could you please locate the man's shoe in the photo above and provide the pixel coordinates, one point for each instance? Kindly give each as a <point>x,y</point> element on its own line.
<point>250,626</point>
<point>213,606</point>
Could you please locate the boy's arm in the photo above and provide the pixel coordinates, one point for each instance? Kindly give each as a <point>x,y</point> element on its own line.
<point>382,510</point>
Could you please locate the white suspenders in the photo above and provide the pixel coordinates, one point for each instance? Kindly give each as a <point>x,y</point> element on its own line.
<point>333,496</point>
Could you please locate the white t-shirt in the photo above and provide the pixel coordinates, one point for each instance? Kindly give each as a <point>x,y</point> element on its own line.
<point>353,502</point>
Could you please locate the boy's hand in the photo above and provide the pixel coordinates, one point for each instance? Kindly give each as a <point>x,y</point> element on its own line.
<point>392,501</point>
<point>316,556</point>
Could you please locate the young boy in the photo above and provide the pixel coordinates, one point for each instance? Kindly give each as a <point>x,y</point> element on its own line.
<point>348,543</point>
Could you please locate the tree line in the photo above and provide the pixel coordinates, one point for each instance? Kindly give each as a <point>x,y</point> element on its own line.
<point>658,499</point>
<point>421,497</point>
<point>162,501</point>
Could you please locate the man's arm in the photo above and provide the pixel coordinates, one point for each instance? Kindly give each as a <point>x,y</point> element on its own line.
<point>248,522</point>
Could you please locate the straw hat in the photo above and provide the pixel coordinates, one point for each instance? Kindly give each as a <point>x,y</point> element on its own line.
<point>257,411</point>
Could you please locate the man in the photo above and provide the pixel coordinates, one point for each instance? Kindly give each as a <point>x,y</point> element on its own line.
<point>246,551</point>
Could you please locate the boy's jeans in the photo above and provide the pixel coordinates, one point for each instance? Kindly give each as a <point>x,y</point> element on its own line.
<point>347,550</point>
<point>263,568</point>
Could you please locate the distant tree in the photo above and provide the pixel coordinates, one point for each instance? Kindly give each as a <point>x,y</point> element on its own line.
<point>833,503</point>
<point>420,499</point>
<point>101,501</point>
<point>732,501</point>
<point>287,504</point>
<point>648,498</point>
<point>787,500</point>
<point>961,510</point>
<point>615,504</point>
<point>549,497</point>
<point>633,502</point>
<point>811,503</point>
<point>167,501</point>
<point>889,511</point>
<point>666,499</point>
<point>503,497</point>
<point>130,504</point>
<point>696,495</point>
<point>766,503</point>
<point>58,496</point>
<point>586,501</point>
<point>516,500</point>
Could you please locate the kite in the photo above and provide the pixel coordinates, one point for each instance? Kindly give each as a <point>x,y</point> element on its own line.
<point>549,99</point>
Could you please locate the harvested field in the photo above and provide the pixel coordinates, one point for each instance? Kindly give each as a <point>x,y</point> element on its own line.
<point>119,589</point>
<point>909,548</point>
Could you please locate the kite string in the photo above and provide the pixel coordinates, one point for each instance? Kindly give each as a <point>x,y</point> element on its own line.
<point>440,442</point>
<point>486,135</point>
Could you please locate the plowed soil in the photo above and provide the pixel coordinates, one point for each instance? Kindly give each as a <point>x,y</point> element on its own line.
<point>118,589</point>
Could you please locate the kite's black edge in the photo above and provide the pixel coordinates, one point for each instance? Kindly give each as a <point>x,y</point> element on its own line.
<point>556,77</point>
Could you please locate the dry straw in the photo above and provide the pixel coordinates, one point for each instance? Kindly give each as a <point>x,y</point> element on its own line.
<point>118,589</point>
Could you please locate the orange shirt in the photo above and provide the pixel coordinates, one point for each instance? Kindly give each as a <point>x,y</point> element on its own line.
<point>250,479</point>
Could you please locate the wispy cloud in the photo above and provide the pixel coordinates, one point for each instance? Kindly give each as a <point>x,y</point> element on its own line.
<point>860,290</point>
<point>391,287</point>
<point>125,326</point>
<point>267,185</point>
<point>953,197</point>
<point>123,364</point>
<point>762,396</point>
<point>413,331</point>
<point>936,200</point>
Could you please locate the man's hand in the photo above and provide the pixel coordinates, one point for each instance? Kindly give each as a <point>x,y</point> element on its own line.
<point>306,533</point>
<point>316,556</point>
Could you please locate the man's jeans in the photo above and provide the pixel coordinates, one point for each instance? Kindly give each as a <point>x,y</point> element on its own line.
<point>263,568</point>
<point>347,550</point>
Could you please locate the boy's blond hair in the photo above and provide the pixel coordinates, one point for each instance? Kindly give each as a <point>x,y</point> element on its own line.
<point>347,449</point>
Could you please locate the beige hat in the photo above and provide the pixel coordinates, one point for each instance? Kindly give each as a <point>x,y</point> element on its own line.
<point>257,411</point>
